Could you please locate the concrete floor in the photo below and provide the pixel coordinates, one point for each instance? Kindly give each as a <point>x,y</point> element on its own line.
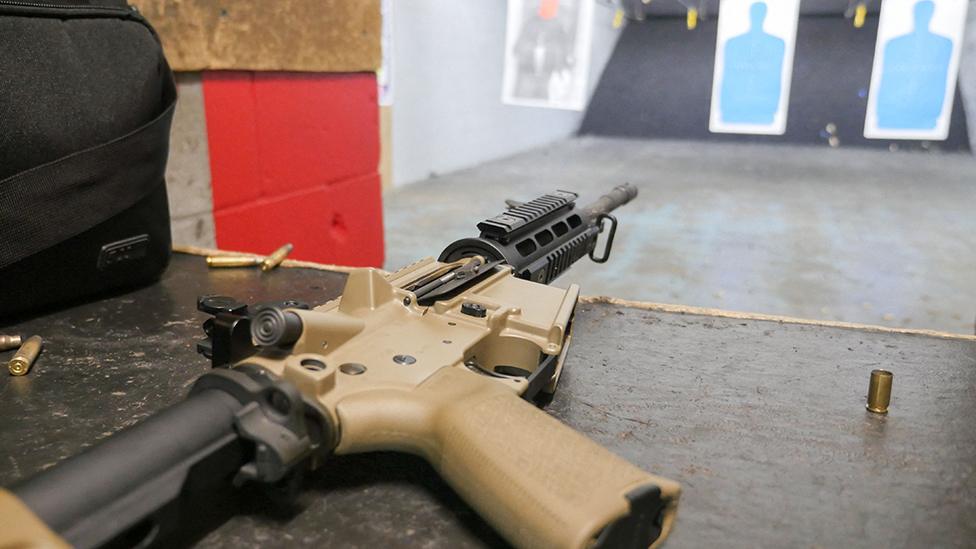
<point>853,235</point>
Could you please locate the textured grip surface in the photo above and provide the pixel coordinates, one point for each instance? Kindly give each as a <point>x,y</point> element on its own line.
<point>537,481</point>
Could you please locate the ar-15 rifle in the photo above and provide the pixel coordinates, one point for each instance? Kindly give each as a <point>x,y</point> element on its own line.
<point>438,359</point>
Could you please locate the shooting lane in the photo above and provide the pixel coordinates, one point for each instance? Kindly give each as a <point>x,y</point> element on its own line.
<point>761,419</point>
<point>672,67</point>
<point>819,222</point>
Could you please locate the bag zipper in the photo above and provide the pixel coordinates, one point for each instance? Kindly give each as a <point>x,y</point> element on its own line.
<point>69,10</point>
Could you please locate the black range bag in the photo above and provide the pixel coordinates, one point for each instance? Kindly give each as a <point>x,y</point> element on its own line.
<point>86,100</point>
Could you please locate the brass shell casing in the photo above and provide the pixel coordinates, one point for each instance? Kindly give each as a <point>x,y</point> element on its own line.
<point>276,257</point>
<point>233,261</point>
<point>21,363</point>
<point>879,391</point>
<point>9,342</point>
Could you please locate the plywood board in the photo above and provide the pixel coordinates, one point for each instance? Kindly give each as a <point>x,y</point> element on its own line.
<point>287,35</point>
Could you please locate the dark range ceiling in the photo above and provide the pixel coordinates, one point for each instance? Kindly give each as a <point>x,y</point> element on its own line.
<point>638,9</point>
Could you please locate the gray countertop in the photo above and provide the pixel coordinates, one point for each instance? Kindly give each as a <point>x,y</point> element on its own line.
<point>763,423</point>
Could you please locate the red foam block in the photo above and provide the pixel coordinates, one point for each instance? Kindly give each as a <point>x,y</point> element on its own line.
<point>235,168</point>
<point>315,129</point>
<point>273,132</point>
<point>278,142</point>
<point>339,223</point>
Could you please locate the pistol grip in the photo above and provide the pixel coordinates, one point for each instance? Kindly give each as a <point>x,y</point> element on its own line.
<point>538,482</point>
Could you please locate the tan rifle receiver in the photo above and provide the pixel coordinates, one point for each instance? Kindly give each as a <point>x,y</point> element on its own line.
<point>440,359</point>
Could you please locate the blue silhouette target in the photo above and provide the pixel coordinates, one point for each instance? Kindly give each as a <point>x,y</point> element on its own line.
<point>913,77</point>
<point>754,56</point>
<point>753,70</point>
<point>915,71</point>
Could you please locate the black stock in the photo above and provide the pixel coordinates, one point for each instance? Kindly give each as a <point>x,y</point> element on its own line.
<point>164,481</point>
<point>145,483</point>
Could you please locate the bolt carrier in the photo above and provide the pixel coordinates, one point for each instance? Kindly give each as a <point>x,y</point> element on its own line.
<point>21,363</point>
<point>8,342</point>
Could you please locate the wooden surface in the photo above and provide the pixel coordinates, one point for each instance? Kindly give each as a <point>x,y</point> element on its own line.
<point>284,35</point>
<point>762,422</point>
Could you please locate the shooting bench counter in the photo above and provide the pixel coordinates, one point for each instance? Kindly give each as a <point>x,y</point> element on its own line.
<point>762,421</point>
